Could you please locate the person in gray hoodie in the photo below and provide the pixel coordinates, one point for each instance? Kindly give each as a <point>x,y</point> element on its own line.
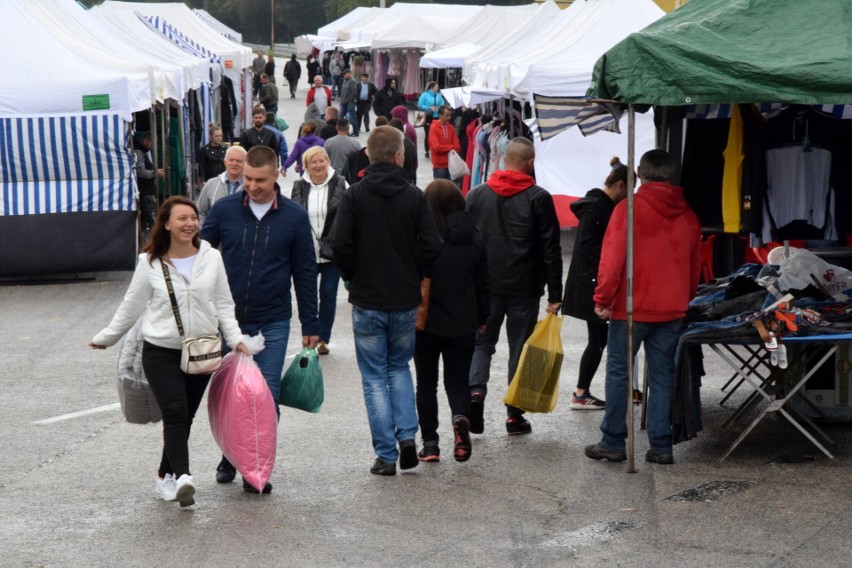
<point>226,183</point>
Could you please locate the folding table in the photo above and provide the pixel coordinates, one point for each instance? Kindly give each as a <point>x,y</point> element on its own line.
<point>752,369</point>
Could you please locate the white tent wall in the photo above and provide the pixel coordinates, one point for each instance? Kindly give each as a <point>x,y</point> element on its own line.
<point>330,30</point>
<point>492,24</point>
<point>218,26</point>
<point>569,164</point>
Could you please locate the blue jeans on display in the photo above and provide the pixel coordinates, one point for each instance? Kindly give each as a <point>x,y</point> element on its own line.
<point>271,359</point>
<point>329,276</point>
<point>521,313</point>
<point>660,340</point>
<point>384,345</point>
<point>441,173</point>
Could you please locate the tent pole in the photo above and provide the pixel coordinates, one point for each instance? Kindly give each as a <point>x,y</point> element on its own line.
<point>165,142</point>
<point>631,184</point>
<point>184,109</point>
<point>155,136</point>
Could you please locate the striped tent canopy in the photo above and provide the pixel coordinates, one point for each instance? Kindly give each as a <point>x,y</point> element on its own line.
<point>179,39</point>
<point>558,114</point>
<point>67,164</point>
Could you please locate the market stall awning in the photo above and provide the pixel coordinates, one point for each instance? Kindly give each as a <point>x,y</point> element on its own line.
<point>749,51</point>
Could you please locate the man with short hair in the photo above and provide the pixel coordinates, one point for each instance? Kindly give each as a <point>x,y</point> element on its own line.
<point>258,65</point>
<point>226,183</point>
<point>518,223</point>
<point>146,181</point>
<point>329,129</point>
<point>348,96</point>
<point>443,139</point>
<point>366,91</point>
<point>341,146</point>
<point>266,242</point>
<point>319,95</point>
<point>283,150</point>
<point>385,241</point>
<point>268,94</point>
<point>257,135</point>
<point>335,67</point>
<point>667,257</point>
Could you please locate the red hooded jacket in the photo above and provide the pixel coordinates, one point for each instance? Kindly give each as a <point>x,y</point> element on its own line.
<point>442,139</point>
<point>666,256</point>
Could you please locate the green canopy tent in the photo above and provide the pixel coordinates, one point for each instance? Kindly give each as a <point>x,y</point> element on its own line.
<point>725,51</point>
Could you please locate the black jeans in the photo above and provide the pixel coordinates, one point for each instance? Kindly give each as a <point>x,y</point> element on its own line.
<point>591,359</point>
<point>362,112</point>
<point>457,353</point>
<point>426,125</point>
<point>178,396</point>
<point>293,84</point>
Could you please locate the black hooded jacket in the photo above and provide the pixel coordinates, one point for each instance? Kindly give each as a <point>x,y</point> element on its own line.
<point>385,239</point>
<point>459,298</point>
<point>593,211</point>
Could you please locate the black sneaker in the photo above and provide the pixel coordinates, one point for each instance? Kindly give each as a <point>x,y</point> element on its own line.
<point>249,488</point>
<point>518,425</point>
<point>408,454</point>
<point>462,449</point>
<point>383,468</point>
<point>660,458</point>
<point>427,153</point>
<point>429,453</point>
<point>596,452</point>
<point>477,410</point>
<point>225,472</point>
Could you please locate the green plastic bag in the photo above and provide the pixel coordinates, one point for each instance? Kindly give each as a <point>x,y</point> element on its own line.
<point>301,385</point>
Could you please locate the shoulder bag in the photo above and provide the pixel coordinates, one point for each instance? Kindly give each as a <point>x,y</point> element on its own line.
<point>199,355</point>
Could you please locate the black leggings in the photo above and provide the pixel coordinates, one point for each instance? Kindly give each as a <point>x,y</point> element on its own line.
<point>457,353</point>
<point>426,126</point>
<point>591,358</point>
<point>178,396</point>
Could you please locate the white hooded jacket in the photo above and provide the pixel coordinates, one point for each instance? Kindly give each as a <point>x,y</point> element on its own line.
<point>205,303</point>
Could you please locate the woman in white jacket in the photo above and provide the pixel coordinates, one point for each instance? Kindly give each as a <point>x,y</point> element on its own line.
<point>205,303</point>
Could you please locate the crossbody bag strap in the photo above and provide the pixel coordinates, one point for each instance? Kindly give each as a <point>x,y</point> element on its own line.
<point>172,297</point>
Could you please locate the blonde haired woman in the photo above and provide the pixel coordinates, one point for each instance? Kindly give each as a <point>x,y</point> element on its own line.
<point>318,191</point>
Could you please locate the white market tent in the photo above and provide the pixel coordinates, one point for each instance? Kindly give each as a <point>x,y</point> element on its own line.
<point>229,33</point>
<point>494,23</point>
<point>330,30</point>
<point>556,58</point>
<point>65,167</point>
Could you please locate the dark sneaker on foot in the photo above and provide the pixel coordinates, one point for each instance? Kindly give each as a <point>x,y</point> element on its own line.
<point>586,402</point>
<point>383,468</point>
<point>462,449</point>
<point>249,488</point>
<point>408,454</point>
<point>225,472</point>
<point>430,453</point>
<point>596,452</point>
<point>657,457</point>
<point>477,410</point>
<point>517,425</point>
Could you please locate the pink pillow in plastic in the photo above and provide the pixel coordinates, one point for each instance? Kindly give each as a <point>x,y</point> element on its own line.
<point>243,418</point>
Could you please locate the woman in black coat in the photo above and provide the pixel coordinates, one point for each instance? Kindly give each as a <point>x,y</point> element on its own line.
<point>314,69</point>
<point>459,301</point>
<point>387,98</point>
<point>593,211</point>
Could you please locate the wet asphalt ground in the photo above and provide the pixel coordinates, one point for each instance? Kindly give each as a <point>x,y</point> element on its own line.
<point>77,481</point>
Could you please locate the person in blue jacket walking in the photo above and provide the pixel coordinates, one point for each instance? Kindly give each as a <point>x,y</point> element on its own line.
<point>430,101</point>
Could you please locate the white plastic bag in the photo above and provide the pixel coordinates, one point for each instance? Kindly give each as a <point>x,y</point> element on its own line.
<point>458,167</point>
<point>134,393</point>
<point>797,271</point>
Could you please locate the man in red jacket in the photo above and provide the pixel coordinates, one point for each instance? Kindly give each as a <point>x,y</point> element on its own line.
<point>442,139</point>
<point>666,241</point>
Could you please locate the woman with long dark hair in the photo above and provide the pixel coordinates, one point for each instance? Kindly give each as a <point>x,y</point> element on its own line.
<point>459,303</point>
<point>200,286</point>
<point>593,211</point>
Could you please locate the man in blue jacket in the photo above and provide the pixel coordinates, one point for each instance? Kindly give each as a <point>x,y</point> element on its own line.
<point>266,241</point>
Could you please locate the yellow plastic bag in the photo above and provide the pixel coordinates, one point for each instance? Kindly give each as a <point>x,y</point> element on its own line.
<point>534,387</point>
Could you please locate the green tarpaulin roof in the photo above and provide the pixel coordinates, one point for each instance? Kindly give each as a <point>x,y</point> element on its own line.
<point>734,51</point>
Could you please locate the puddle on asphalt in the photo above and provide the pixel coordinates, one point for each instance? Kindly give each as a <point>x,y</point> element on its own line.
<point>590,535</point>
<point>711,491</point>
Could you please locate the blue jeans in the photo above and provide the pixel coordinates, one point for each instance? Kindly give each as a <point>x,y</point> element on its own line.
<point>271,359</point>
<point>521,313</point>
<point>660,340</point>
<point>441,173</point>
<point>329,276</point>
<point>384,345</point>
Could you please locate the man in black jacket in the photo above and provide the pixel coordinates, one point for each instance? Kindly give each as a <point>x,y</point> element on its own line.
<point>518,221</point>
<point>258,135</point>
<point>385,239</point>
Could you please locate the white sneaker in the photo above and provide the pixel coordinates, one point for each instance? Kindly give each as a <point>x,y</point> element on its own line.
<point>166,488</point>
<point>185,490</point>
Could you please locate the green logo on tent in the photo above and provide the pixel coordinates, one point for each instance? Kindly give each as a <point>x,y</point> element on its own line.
<point>95,102</point>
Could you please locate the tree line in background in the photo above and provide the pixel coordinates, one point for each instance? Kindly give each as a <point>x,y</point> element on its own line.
<point>252,18</point>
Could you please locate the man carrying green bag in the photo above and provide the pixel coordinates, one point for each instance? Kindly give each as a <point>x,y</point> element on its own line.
<point>301,384</point>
